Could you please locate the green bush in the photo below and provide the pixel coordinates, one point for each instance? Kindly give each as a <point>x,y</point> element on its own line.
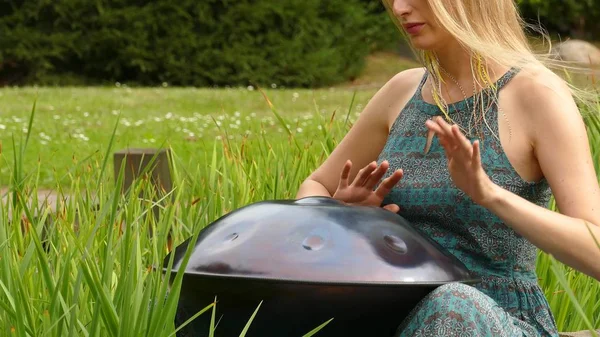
<point>568,18</point>
<point>384,34</point>
<point>188,42</point>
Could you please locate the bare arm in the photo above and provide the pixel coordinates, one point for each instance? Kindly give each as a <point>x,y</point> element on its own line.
<point>566,237</point>
<point>366,138</point>
<point>562,149</point>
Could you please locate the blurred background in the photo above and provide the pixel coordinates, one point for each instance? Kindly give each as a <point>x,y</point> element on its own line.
<point>207,43</point>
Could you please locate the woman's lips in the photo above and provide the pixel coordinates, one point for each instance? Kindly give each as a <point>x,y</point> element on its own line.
<point>413,28</point>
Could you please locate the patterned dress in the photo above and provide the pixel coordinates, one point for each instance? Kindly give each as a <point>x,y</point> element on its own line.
<point>508,301</point>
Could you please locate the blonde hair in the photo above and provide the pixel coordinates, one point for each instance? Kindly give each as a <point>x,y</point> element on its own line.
<point>492,30</point>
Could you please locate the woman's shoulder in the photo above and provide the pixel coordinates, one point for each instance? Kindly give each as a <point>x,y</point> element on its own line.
<point>403,83</point>
<point>545,107</point>
<point>536,90</point>
<point>407,80</point>
<point>393,96</point>
<point>540,99</point>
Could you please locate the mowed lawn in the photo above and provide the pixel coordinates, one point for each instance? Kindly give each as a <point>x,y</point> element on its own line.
<point>73,123</point>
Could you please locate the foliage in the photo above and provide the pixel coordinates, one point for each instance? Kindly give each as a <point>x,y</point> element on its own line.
<point>385,35</point>
<point>200,43</point>
<point>574,18</point>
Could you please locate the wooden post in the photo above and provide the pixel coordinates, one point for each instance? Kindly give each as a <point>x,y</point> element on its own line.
<point>150,162</point>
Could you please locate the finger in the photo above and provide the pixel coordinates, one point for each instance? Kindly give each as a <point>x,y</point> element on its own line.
<point>460,138</point>
<point>387,184</point>
<point>376,175</point>
<point>443,137</point>
<point>445,127</point>
<point>432,125</point>
<point>364,173</point>
<point>435,127</point>
<point>464,150</point>
<point>448,147</point>
<point>455,139</point>
<point>345,174</point>
<point>392,208</point>
<point>448,133</point>
<point>443,132</point>
<point>443,142</point>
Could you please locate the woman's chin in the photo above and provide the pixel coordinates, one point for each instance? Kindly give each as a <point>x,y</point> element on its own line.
<point>422,43</point>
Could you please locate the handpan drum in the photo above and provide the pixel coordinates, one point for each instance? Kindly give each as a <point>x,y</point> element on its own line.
<point>310,260</point>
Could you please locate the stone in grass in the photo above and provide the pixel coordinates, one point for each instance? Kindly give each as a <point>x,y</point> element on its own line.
<point>41,203</point>
<point>45,199</point>
<point>577,51</point>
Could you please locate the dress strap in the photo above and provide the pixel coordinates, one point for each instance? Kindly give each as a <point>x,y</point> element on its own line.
<point>417,94</point>
<point>499,84</point>
<point>502,81</point>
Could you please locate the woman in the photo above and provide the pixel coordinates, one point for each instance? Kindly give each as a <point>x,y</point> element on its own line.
<point>469,149</point>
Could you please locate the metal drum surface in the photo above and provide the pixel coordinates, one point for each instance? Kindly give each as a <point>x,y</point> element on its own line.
<point>310,260</point>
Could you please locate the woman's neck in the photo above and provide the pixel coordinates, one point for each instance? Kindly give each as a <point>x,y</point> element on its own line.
<point>455,62</point>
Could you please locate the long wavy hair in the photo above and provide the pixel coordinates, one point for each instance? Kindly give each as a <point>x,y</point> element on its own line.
<point>492,31</point>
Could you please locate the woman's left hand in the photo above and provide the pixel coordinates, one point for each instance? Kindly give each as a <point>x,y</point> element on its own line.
<point>464,160</point>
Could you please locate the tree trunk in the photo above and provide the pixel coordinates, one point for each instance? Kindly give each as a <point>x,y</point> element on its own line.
<point>580,31</point>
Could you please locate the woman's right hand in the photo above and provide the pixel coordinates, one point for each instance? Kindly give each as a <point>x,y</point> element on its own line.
<point>360,191</point>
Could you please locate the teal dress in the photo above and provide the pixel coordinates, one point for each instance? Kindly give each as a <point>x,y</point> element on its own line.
<point>508,301</point>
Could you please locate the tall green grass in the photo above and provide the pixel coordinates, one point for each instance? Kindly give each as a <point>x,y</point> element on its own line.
<point>90,267</point>
<point>85,268</point>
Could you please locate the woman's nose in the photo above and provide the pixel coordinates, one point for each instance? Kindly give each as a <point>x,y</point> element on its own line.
<point>401,8</point>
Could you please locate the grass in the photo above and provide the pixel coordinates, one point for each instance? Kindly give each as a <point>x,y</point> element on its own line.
<point>86,268</point>
<point>72,123</point>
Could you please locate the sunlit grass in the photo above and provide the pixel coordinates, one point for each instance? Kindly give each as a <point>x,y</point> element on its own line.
<point>72,123</point>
